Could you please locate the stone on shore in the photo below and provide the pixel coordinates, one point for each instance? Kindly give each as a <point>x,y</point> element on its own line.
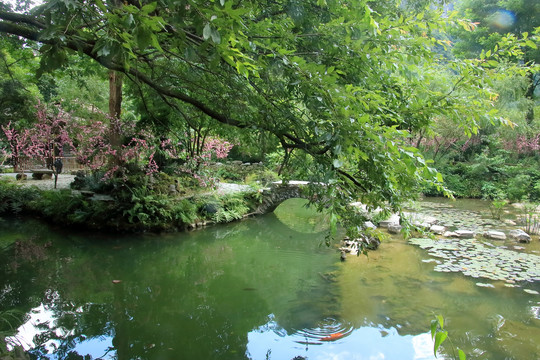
<point>369,225</point>
<point>465,234</point>
<point>520,236</point>
<point>394,219</point>
<point>394,228</point>
<point>437,229</point>
<point>494,235</point>
<point>450,234</point>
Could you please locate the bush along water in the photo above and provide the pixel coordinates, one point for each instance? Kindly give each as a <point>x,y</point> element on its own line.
<point>138,203</point>
<point>494,163</point>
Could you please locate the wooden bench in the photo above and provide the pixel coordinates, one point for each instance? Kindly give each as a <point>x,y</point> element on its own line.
<point>39,173</point>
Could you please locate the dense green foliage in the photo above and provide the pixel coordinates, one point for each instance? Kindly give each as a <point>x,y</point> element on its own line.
<point>495,163</point>
<point>342,90</point>
<point>14,199</point>
<point>134,207</point>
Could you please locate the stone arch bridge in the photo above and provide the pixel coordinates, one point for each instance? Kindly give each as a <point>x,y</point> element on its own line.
<point>278,192</point>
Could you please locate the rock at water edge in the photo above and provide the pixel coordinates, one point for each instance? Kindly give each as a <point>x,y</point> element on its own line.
<point>394,219</point>
<point>394,228</point>
<point>369,225</point>
<point>520,236</point>
<point>437,229</point>
<point>450,234</point>
<point>495,235</point>
<point>465,234</point>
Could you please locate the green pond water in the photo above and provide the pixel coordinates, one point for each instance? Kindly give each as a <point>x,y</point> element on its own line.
<point>264,288</point>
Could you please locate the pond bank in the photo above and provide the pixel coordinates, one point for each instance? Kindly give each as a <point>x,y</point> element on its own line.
<point>150,206</point>
<point>228,202</point>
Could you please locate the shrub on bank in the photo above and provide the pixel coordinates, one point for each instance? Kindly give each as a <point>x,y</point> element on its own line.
<point>13,198</point>
<point>139,204</point>
<point>491,176</point>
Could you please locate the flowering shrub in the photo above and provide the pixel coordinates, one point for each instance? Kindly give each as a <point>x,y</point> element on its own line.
<point>523,144</point>
<point>4,155</point>
<point>93,146</point>
<point>95,149</point>
<point>15,145</point>
<point>214,148</point>
<point>45,140</point>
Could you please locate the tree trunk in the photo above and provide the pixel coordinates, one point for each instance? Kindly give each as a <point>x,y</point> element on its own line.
<point>115,94</point>
<point>115,110</point>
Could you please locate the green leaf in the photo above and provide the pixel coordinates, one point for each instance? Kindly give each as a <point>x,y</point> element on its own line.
<point>147,9</point>
<point>207,32</point>
<point>433,328</point>
<point>104,51</point>
<point>531,44</point>
<point>143,37</point>
<point>155,43</point>
<point>461,355</point>
<point>216,38</point>
<point>440,319</point>
<point>439,339</point>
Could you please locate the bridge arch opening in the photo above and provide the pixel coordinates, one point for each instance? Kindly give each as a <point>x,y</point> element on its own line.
<point>295,214</point>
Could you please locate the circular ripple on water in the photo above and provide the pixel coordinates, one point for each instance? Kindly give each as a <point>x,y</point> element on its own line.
<point>328,330</point>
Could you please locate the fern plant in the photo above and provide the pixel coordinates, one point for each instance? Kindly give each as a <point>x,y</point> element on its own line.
<point>14,198</point>
<point>184,211</point>
<point>233,207</point>
<point>148,209</point>
<point>57,205</point>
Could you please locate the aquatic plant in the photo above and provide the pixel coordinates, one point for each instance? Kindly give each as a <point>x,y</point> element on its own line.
<point>481,260</point>
<point>496,208</point>
<point>439,335</point>
<point>529,220</point>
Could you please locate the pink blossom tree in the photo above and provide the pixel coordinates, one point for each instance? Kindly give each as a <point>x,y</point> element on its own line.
<point>93,146</point>
<point>43,142</point>
<point>47,139</point>
<point>17,143</point>
<point>95,149</point>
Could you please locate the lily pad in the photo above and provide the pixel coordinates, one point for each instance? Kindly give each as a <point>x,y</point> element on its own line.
<point>485,285</point>
<point>478,261</point>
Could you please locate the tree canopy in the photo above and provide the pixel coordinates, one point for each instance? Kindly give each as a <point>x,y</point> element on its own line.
<point>496,20</point>
<point>341,84</point>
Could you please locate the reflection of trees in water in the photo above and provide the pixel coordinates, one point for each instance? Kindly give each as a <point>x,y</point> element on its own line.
<point>197,297</point>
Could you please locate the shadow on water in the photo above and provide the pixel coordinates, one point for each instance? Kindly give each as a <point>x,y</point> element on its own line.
<point>263,288</point>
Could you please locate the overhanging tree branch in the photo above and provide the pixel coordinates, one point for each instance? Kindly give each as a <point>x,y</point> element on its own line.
<point>32,31</point>
<point>20,18</point>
